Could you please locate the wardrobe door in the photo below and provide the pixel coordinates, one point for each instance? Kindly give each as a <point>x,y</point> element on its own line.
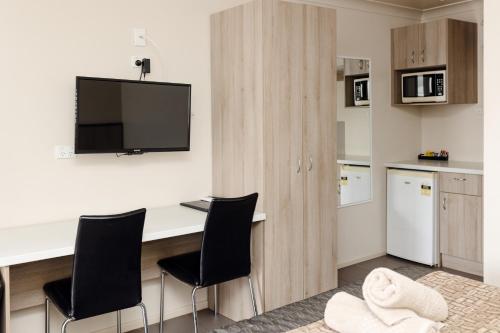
<point>284,167</point>
<point>319,130</point>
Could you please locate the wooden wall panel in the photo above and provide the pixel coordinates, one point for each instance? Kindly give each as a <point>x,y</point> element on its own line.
<point>237,133</point>
<point>462,62</point>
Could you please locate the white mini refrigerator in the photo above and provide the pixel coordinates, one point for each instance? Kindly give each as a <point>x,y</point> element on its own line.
<point>412,215</point>
<point>355,184</point>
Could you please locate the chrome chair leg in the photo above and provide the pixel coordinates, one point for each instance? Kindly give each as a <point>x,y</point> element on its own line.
<point>162,300</point>
<point>65,325</point>
<point>216,300</point>
<point>252,294</point>
<point>195,314</point>
<point>144,316</point>
<point>119,321</point>
<point>47,315</point>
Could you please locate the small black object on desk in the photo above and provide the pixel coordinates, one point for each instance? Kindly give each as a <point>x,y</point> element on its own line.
<point>198,205</point>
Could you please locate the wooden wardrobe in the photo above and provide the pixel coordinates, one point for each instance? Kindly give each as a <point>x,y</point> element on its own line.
<point>274,132</point>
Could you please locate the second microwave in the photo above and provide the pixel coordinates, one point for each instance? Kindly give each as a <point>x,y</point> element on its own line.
<point>362,92</point>
<point>424,87</point>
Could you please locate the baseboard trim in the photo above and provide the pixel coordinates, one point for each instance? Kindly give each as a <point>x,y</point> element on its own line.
<point>360,260</point>
<point>154,317</point>
<point>462,265</point>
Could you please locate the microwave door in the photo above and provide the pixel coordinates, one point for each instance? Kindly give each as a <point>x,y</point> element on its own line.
<point>420,86</point>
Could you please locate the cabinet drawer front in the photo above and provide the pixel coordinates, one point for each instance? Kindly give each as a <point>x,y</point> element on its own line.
<point>461,183</point>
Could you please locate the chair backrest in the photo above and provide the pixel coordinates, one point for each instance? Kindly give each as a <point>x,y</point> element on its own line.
<point>225,248</point>
<point>107,264</point>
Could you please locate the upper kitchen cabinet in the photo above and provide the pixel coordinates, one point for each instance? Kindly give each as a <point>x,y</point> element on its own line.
<point>447,46</point>
<point>354,67</point>
<point>420,45</point>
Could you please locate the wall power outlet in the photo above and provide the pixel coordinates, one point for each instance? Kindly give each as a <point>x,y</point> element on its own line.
<point>64,152</point>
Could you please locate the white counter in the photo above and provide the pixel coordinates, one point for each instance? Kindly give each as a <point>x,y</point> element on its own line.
<point>473,168</point>
<point>44,241</point>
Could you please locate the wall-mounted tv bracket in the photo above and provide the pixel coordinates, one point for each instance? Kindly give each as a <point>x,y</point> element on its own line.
<point>145,67</point>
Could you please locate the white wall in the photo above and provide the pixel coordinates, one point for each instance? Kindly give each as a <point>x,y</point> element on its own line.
<point>46,44</point>
<point>457,128</point>
<point>365,33</point>
<point>491,144</point>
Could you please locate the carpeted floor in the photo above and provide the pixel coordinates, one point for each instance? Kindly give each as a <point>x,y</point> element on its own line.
<point>307,311</point>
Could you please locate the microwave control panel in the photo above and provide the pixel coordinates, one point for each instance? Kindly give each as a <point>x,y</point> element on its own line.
<point>440,84</point>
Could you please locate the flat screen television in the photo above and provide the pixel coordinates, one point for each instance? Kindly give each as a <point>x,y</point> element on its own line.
<point>124,116</point>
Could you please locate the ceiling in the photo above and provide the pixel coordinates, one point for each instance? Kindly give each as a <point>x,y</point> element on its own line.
<point>422,5</point>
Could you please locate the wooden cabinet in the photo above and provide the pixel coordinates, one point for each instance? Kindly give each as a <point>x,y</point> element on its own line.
<point>444,44</point>
<point>420,45</point>
<point>274,132</point>
<point>461,183</point>
<point>405,46</point>
<point>432,50</point>
<point>461,222</point>
<point>354,67</point>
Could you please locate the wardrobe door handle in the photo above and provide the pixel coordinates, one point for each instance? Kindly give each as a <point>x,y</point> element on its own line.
<point>299,166</point>
<point>310,164</point>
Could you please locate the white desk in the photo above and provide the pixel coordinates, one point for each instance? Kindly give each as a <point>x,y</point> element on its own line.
<point>25,244</point>
<point>44,250</point>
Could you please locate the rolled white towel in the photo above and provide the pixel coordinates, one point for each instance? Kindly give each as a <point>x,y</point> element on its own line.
<point>348,314</point>
<point>393,297</point>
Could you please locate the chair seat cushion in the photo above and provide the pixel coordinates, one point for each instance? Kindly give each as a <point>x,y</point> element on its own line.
<point>59,292</point>
<point>185,267</point>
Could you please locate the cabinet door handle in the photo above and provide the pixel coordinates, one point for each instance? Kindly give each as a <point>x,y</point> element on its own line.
<point>310,164</point>
<point>444,203</point>
<point>460,179</point>
<point>422,54</point>
<point>361,65</point>
<point>299,166</point>
<point>412,58</point>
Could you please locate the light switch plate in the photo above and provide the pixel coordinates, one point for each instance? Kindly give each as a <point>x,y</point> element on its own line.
<point>64,152</point>
<point>139,37</point>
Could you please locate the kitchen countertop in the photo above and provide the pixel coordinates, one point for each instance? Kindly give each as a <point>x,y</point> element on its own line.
<point>472,168</point>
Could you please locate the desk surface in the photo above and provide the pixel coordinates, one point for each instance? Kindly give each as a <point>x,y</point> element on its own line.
<point>25,244</point>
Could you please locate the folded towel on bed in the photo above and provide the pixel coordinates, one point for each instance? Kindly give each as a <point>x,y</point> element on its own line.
<point>348,314</point>
<point>393,297</point>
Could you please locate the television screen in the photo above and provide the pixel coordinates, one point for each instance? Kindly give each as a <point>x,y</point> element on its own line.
<point>122,116</point>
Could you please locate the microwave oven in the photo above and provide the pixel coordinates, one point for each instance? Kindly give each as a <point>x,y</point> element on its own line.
<point>362,92</point>
<point>424,87</point>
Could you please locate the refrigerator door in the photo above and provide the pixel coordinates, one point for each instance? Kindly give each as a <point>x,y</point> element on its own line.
<point>412,215</point>
<point>355,184</point>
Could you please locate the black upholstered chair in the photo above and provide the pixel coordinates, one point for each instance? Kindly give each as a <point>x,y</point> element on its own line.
<point>106,270</point>
<point>224,255</point>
